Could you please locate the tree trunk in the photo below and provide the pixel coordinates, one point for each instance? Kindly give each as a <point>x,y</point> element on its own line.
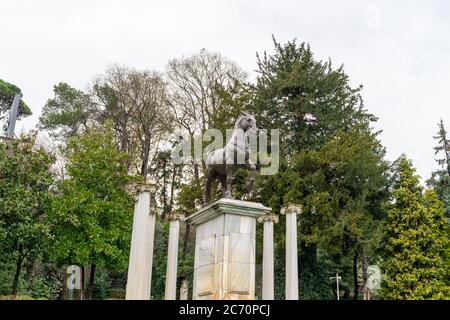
<point>186,240</point>
<point>365,289</point>
<point>447,154</point>
<point>172,187</point>
<point>90,288</point>
<point>164,190</point>
<point>185,247</point>
<point>196,171</point>
<point>346,294</point>
<point>17,274</point>
<point>83,278</point>
<point>64,292</point>
<point>124,139</point>
<point>145,157</point>
<point>355,277</point>
<point>446,146</point>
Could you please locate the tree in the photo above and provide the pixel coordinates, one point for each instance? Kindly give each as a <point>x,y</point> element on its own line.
<point>68,113</point>
<point>331,162</point>
<point>25,179</point>
<point>136,103</point>
<point>168,177</point>
<point>443,147</point>
<point>417,241</point>
<point>202,91</point>
<point>194,83</point>
<point>440,179</point>
<point>306,99</point>
<point>92,214</point>
<point>340,187</point>
<point>7,93</point>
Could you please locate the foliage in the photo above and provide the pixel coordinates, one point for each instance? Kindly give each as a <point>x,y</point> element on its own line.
<point>195,81</point>
<point>8,269</point>
<point>25,179</point>
<point>190,197</point>
<point>440,179</point>
<point>417,241</point>
<point>7,93</point>
<point>167,176</point>
<point>160,261</point>
<point>306,99</point>
<point>16,297</point>
<point>136,104</point>
<point>92,212</point>
<point>67,113</point>
<point>330,161</point>
<point>44,289</point>
<point>102,285</point>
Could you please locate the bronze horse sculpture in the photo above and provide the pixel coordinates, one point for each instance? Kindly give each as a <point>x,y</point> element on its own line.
<point>222,163</point>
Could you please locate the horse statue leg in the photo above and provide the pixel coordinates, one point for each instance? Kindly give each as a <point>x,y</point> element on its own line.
<point>223,183</point>
<point>251,166</point>
<point>209,179</point>
<point>229,182</point>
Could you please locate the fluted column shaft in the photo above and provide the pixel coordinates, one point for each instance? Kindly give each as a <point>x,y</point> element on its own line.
<point>291,212</point>
<point>172,256</point>
<point>141,252</point>
<point>268,291</point>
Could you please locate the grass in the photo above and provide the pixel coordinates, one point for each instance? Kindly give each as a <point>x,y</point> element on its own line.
<point>17,297</point>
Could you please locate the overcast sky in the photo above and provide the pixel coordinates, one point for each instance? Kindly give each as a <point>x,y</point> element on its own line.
<point>399,50</point>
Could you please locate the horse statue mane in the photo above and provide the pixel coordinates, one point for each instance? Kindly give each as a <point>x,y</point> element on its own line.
<point>221,164</point>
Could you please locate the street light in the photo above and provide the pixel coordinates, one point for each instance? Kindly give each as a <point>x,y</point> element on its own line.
<point>11,121</point>
<point>338,278</point>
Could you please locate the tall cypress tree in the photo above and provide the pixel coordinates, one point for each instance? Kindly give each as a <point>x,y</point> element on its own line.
<point>330,162</point>
<point>417,241</point>
<point>440,179</point>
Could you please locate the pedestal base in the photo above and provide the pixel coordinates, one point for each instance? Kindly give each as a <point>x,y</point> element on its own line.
<point>225,250</point>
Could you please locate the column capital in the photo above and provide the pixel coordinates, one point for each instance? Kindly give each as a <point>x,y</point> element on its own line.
<point>268,218</point>
<point>291,208</point>
<point>149,186</point>
<point>174,216</point>
<point>139,187</point>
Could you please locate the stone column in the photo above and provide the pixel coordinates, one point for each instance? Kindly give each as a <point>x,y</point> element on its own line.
<point>172,256</point>
<point>291,211</point>
<point>141,253</point>
<point>268,268</point>
<point>224,266</point>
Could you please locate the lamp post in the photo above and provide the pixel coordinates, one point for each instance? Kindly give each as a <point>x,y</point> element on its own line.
<point>12,117</point>
<point>338,278</point>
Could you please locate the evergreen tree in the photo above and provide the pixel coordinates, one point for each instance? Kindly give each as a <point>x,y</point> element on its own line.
<point>440,179</point>
<point>417,241</point>
<point>308,100</point>
<point>7,93</point>
<point>68,113</point>
<point>330,161</point>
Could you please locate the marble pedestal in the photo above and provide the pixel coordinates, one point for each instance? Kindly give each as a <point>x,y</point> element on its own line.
<point>225,250</point>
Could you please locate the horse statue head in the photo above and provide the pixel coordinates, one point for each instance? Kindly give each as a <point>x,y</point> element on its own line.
<point>246,122</point>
